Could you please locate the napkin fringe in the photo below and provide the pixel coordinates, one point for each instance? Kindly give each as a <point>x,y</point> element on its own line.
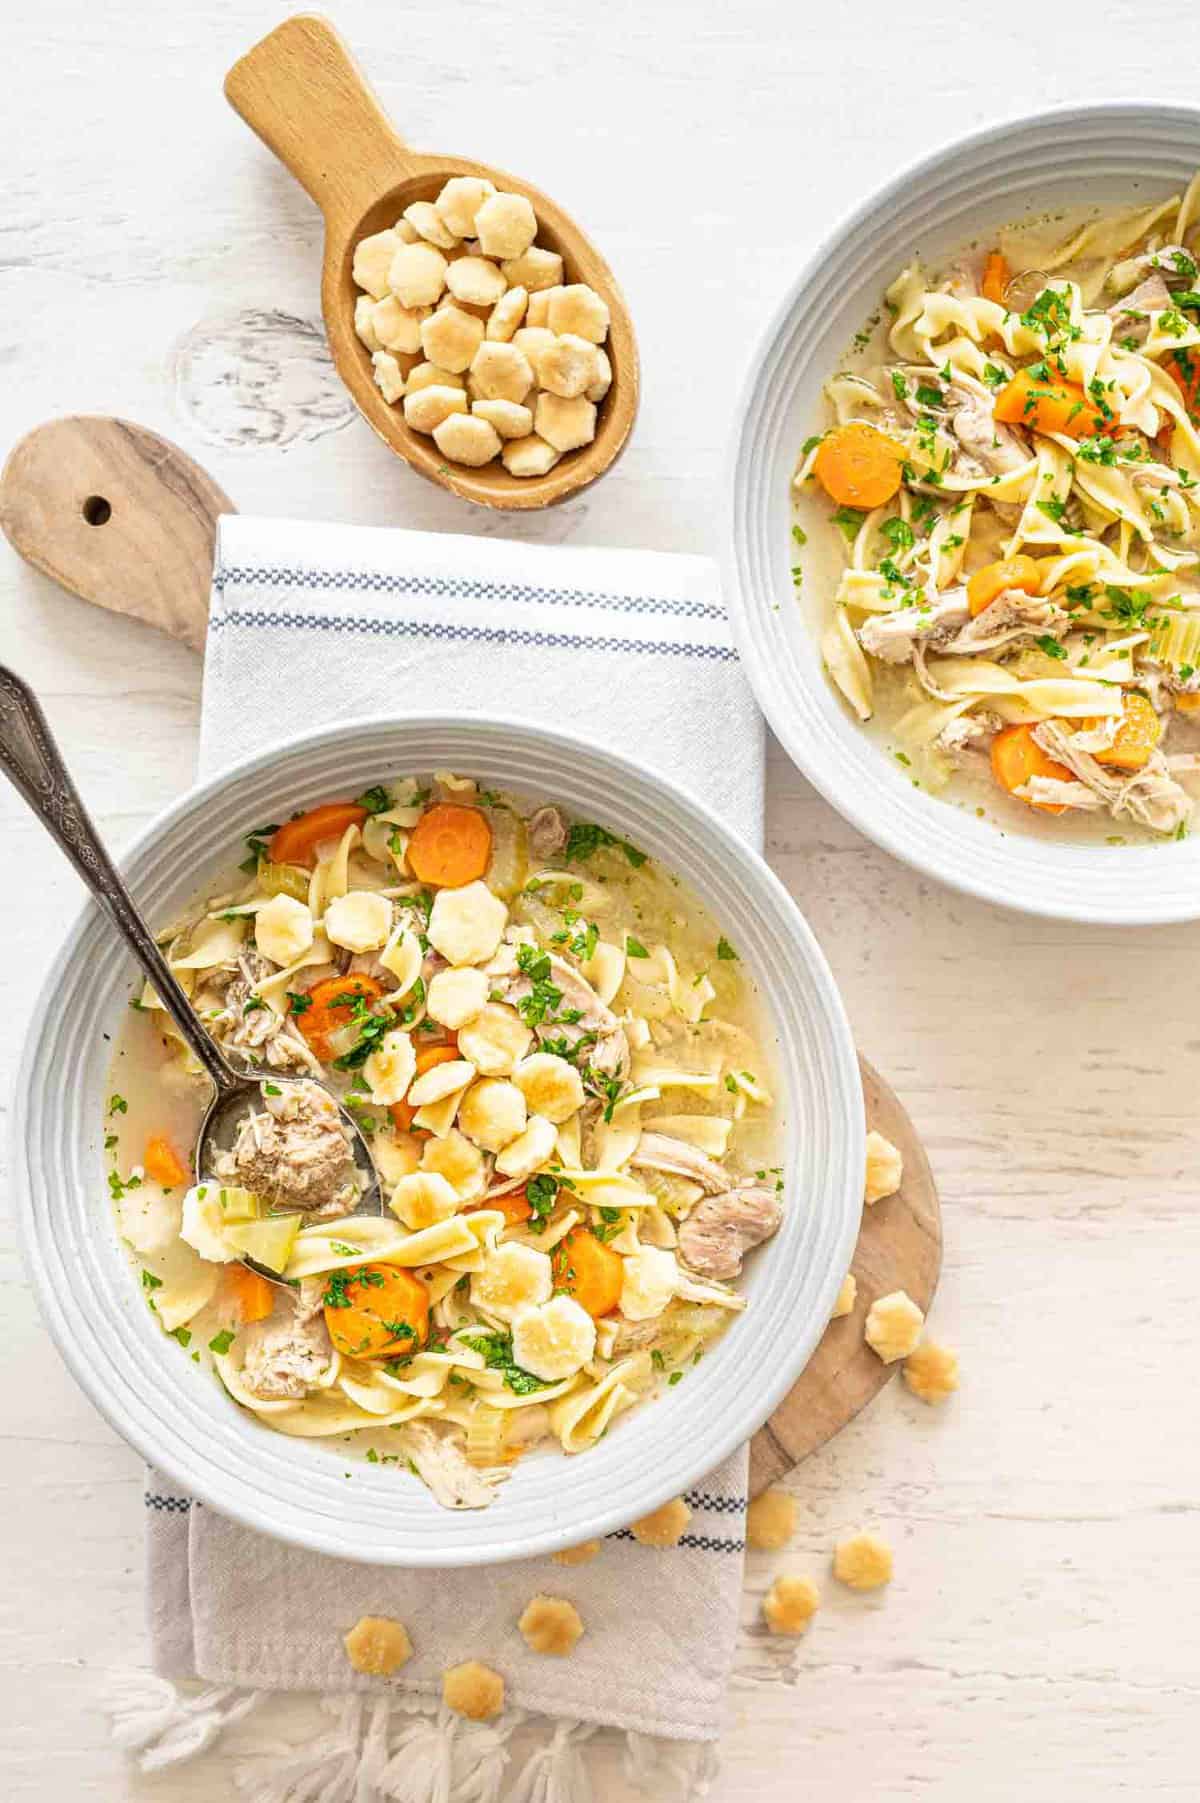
<point>392,1749</point>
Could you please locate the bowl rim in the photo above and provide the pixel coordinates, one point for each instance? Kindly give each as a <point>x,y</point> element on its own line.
<point>844,1077</point>
<point>874,821</point>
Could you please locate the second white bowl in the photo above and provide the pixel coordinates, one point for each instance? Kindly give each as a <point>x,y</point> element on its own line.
<point>1108,154</point>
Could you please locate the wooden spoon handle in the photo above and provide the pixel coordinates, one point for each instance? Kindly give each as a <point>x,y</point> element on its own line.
<point>117,515</point>
<point>301,90</point>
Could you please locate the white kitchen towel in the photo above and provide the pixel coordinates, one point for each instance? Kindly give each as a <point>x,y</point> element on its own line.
<point>310,623</point>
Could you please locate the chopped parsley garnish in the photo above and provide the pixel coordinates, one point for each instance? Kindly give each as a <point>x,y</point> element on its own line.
<point>994,376</point>
<point>848,520</point>
<point>899,534</point>
<point>371,1029</point>
<point>298,1003</point>
<point>376,799</point>
<point>496,1350</point>
<point>899,385</point>
<point>1051,647</point>
<point>1054,510</point>
<point>221,1342</point>
<point>252,1004</point>
<point>585,837</point>
<point>1098,450</point>
<point>337,1283</point>
<point>634,947</point>
<point>118,1105</point>
<point>929,397</point>
<point>257,842</point>
<point>725,952</point>
<point>799,537</point>
<point>541,1193</point>
<point>1050,315</point>
<point>1127,607</point>
<point>544,996</point>
<point>150,1281</point>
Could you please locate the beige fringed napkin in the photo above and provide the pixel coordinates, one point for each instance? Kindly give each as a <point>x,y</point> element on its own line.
<point>312,622</point>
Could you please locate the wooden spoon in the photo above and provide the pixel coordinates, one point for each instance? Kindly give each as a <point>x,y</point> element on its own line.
<point>302,92</point>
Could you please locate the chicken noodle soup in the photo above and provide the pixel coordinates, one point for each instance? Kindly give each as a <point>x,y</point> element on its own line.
<point>558,1062</point>
<point>1011,472</point>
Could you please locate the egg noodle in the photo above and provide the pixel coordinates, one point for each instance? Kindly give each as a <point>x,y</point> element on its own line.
<point>1017,492</point>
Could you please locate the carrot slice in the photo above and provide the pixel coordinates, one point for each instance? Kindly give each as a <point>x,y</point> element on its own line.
<point>1188,704</point>
<point>163,1163</point>
<point>858,465</point>
<point>991,579</point>
<point>296,840</point>
<point>514,1207</point>
<point>996,277</point>
<point>589,1270</point>
<point>330,1006</point>
<point>1136,737</point>
<point>252,1298</point>
<point>450,846</point>
<point>1184,369</point>
<point>1049,404</point>
<point>1016,756</point>
<point>403,1113</point>
<point>376,1311</point>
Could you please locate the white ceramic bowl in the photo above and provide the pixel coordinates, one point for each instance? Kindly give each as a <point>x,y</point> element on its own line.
<point>1108,153</point>
<point>177,1416</point>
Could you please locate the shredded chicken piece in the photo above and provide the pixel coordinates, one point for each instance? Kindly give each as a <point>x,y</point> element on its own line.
<point>723,1227</point>
<point>547,832</point>
<point>966,733</point>
<point>659,1152</point>
<point>1130,315</point>
<point>443,1465</point>
<point>288,1352</point>
<point>1052,791</point>
<point>260,1035</point>
<point>1175,264</point>
<point>1012,616</point>
<point>998,448</point>
<point>894,637</point>
<point>295,1151</point>
<point>610,1053</point>
<point>1150,796</point>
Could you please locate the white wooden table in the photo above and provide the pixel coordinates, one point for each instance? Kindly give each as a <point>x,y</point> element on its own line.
<point>1041,1638</point>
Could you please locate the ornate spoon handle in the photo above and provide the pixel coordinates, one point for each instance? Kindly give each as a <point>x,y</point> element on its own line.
<point>34,765</point>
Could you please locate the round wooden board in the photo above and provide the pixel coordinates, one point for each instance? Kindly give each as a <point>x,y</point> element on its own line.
<point>899,1248</point>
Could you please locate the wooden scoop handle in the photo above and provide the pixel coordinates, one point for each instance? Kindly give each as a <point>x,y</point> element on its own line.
<point>303,93</point>
<point>119,516</point>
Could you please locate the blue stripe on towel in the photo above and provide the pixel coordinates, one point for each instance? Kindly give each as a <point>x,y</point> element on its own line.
<point>379,582</point>
<point>490,635</point>
<point>704,1543</point>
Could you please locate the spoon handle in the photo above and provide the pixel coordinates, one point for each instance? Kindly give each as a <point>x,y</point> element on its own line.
<point>34,765</point>
<point>303,93</point>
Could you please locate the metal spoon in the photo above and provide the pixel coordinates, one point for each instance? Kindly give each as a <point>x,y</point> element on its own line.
<point>33,763</point>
